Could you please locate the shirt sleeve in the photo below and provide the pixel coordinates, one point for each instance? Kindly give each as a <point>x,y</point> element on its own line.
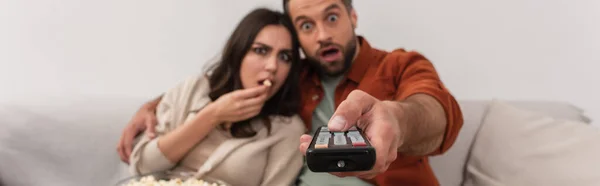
<point>285,159</point>
<point>417,75</point>
<point>146,157</point>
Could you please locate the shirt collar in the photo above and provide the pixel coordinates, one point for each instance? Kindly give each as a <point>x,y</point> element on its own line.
<point>361,64</point>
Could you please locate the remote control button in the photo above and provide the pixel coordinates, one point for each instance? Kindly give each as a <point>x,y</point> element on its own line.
<point>322,142</point>
<point>324,134</point>
<point>324,129</point>
<point>359,144</point>
<point>339,140</point>
<point>354,139</point>
<point>321,146</point>
<point>353,133</point>
<point>353,128</point>
<point>357,141</point>
<point>338,133</point>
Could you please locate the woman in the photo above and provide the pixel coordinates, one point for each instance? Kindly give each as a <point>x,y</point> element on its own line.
<point>237,123</point>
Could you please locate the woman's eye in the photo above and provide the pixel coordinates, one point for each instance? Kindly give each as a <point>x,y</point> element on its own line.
<point>285,57</point>
<point>260,50</point>
<point>306,26</point>
<point>332,18</point>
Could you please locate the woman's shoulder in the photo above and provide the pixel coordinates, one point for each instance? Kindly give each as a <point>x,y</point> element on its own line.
<point>196,85</point>
<point>192,83</point>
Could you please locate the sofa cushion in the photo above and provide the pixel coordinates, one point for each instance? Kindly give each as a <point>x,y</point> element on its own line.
<point>449,168</point>
<point>520,147</point>
<point>70,141</point>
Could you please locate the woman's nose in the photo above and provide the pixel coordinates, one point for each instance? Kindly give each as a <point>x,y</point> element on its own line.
<point>271,64</point>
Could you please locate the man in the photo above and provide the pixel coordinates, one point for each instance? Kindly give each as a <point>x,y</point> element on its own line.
<point>396,97</point>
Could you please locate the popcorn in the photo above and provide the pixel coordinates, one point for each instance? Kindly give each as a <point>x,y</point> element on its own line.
<point>151,181</point>
<point>267,83</point>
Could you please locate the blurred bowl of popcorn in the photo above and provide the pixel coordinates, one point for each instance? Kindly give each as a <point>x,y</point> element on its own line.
<point>168,178</point>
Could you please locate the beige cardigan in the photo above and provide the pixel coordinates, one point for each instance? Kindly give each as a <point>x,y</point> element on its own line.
<point>265,159</point>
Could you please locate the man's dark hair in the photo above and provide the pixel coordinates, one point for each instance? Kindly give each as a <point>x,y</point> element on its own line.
<point>347,3</point>
<point>225,76</point>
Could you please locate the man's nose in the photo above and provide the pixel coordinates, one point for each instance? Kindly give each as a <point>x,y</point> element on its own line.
<point>323,35</point>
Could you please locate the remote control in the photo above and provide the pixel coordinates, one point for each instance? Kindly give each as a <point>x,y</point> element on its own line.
<point>340,151</point>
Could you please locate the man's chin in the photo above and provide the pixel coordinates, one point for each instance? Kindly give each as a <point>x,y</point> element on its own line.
<point>334,71</point>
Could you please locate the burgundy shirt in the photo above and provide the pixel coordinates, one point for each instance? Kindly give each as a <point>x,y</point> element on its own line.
<point>392,75</point>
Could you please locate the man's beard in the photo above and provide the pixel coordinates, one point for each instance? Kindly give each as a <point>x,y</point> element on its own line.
<point>348,53</point>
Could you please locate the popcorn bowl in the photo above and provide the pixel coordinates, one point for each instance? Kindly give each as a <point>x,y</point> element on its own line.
<point>170,178</point>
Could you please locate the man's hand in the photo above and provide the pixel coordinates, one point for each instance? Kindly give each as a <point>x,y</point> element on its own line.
<point>144,119</point>
<point>380,124</point>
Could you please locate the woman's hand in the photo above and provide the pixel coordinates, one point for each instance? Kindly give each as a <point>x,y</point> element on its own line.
<point>240,105</point>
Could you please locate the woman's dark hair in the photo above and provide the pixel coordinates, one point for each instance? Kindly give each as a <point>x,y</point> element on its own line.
<point>225,75</point>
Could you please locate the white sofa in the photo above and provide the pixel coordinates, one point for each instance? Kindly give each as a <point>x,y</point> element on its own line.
<point>71,141</point>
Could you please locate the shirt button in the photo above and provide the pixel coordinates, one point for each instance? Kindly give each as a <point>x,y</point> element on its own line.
<point>315,97</point>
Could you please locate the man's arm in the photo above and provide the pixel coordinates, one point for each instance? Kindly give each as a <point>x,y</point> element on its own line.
<point>152,104</point>
<point>422,122</point>
<point>427,113</point>
<point>144,119</point>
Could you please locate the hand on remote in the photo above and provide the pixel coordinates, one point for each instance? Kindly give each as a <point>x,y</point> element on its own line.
<point>379,125</point>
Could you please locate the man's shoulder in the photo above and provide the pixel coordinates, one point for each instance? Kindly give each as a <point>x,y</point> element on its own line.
<point>401,55</point>
<point>392,63</point>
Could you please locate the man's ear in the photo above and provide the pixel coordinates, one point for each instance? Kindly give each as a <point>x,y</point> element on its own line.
<point>353,18</point>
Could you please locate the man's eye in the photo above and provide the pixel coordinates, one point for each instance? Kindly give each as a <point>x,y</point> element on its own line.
<point>306,26</point>
<point>260,50</point>
<point>332,18</point>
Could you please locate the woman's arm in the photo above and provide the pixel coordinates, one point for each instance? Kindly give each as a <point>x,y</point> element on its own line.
<point>180,141</point>
<point>285,159</point>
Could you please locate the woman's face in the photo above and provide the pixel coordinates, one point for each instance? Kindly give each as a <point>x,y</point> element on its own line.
<point>269,58</point>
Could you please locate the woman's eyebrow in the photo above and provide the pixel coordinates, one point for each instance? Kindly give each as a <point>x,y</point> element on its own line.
<point>263,45</point>
<point>286,50</point>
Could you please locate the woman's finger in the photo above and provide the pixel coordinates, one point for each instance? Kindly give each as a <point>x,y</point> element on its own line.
<point>250,92</point>
<point>251,109</point>
<point>259,100</point>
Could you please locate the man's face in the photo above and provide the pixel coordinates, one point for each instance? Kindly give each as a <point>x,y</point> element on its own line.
<point>326,32</point>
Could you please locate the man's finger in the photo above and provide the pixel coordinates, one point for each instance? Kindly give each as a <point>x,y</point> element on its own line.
<point>303,147</point>
<point>350,110</point>
<point>150,122</point>
<point>120,151</point>
<point>251,92</point>
<point>128,141</point>
<point>304,143</point>
<point>305,138</point>
<point>367,176</point>
<point>351,174</point>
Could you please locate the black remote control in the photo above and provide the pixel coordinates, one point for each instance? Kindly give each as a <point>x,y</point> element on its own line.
<point>340,151</point>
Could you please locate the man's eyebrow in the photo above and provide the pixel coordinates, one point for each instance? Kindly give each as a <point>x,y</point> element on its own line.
<point>331,7</point>
<point>299,18</point>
